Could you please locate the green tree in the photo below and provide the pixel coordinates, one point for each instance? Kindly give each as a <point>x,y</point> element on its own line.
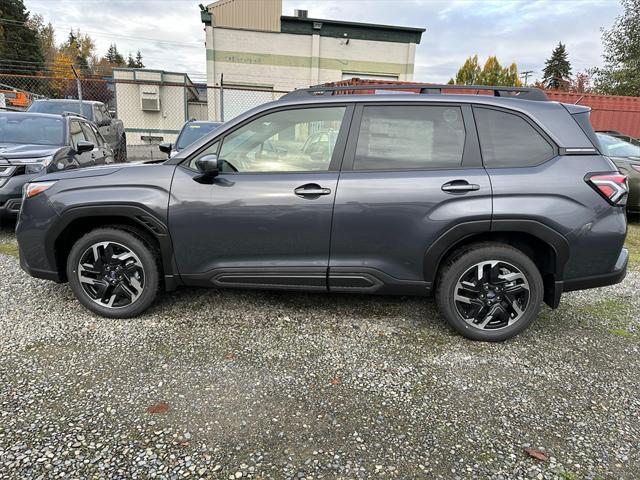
<point>557,69</point>
<point>469,73</point>
<point>46,37</point>
<point>492,73</point>
<point>114,57</point>
<point>139,63</point>
<point>620,75</point>
<point>20,50</point>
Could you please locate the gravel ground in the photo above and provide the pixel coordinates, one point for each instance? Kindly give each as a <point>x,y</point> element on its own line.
<point>245,384</point>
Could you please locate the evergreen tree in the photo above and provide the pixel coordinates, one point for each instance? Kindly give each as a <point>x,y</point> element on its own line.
<point>131,63</point>
<point>114,57</point>
<point>557,69</point>
<point>20,50</point>
<point>620,75</point>
<point>139,63</point>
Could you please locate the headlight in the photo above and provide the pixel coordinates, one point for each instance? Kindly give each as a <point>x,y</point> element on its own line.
<point>34,188</point>
<point>34,167</point>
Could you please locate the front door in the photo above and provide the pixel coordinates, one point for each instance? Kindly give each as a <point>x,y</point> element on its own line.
<point>265,220</point>
<point>77,134</point>
<point>411,173</point>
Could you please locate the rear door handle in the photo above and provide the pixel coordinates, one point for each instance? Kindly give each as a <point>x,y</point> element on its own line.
<point>311,190</point>
<point>459,186</point>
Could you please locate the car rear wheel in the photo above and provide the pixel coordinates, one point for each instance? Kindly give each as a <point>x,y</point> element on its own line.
<point>490,292</point>
<point>113,273</point>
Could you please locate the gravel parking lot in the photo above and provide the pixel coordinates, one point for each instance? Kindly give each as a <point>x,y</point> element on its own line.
<point>246,384</point>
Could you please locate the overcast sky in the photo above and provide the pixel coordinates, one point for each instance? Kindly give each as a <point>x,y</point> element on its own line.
<point>170,35</point>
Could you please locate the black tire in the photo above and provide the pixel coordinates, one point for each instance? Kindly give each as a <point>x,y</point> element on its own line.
<point>143,254</point>
<point>121,152</point>
<point>461,263</point>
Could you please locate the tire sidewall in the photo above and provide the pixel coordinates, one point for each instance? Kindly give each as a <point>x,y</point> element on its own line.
<point>137,246</point>
<point>450,279</point>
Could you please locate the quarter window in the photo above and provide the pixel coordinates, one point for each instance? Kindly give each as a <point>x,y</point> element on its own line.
<point>288,141</point>
<point>508,140</point>
<point>410,137</point>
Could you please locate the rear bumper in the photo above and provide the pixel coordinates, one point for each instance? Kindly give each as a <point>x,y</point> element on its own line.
<point>595,281</point>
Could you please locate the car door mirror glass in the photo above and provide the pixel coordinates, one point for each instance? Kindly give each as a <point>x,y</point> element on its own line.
<point>84,146</point>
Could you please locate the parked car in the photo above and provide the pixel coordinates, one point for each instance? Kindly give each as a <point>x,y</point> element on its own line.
<point>111,128</point>
<point>626,138</point>
<point>492,203</point>
<point>190,132</point>
<point>626,156</point>
<point>33,144</point>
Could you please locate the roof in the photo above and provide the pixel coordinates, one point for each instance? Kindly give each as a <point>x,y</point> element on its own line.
<point>35,114</point>
<point>357,30</point>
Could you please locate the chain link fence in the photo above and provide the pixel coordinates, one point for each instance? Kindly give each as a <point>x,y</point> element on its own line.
<point>152,105</point>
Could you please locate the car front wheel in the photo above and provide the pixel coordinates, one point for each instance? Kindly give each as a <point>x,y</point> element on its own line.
<point>490,292</point>
<point>114,273</point>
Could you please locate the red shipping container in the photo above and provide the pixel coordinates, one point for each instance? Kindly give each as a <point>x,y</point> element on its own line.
<point>608,112</point>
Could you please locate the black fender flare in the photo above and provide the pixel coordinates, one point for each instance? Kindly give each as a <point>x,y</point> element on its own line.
<point>144,218</point>
<point>460,232</point>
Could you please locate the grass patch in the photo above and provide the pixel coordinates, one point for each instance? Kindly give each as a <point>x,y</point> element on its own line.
<point>633,244</point>
<point>9,249</point>
<point>621,332</point>
<point>611,309</point>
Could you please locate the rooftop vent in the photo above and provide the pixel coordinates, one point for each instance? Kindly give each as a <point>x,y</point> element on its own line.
<point>301,13</point>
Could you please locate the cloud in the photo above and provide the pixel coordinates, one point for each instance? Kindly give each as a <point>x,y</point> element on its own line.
<point>170,35</point>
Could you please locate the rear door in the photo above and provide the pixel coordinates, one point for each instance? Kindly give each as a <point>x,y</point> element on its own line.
<point>411,173</point>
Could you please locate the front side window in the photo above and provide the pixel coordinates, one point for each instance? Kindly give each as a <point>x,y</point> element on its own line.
<point>298,140</point>
<point>89,135</point>
<point>77,135</point>
<point>410,137</point>
<point>508,140</point>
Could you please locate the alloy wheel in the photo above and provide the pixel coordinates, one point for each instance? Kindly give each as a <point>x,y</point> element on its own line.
<point>111,274</point>
<point>492,295</point>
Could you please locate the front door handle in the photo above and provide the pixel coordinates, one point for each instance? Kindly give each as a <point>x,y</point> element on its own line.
<point>311,190</point>
<point>459,186</point>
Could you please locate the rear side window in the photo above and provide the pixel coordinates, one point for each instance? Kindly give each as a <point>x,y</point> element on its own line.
<point>410,137</point>
<point>508,140</point>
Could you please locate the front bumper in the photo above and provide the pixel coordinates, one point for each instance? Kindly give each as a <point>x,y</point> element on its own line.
<point>39,273</point>
<point>11,194</point>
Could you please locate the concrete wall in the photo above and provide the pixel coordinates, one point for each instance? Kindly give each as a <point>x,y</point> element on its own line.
<point>246,57</point>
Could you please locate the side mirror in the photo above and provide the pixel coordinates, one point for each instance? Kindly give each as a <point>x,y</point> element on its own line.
<point>84,146</point>
<point>165,148</point>
<point>208,165</point>
<point>105,122</point>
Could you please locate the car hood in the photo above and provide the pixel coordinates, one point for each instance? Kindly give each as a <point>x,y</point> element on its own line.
<point>93,171</point>
<point>20,152</point>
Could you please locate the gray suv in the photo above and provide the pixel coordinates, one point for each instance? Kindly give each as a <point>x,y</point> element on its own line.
<point>493,204</point>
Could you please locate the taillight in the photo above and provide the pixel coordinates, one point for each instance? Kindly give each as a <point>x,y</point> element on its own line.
<point>612,186</point>
<point>33,189</point>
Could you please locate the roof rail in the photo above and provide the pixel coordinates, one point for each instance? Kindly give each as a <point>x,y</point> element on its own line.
<point>73,114</point>
<point>525,93</point>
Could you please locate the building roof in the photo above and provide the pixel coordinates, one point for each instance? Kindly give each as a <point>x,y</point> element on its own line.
<point>357,30</point>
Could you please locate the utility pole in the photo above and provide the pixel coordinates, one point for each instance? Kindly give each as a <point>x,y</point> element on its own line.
<point>526,75</point>
<point>79,84</point>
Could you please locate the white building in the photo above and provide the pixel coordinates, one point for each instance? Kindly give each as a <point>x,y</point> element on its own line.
<point>153,104</point>
<point>252,45</point>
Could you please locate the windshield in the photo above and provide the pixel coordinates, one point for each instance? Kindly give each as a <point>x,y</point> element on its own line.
<point>60,107</point>
<point>32,130</point>
<point>616,147</point>
<point>193,131</point>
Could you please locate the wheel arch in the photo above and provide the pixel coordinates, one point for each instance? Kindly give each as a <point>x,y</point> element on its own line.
<point>78,221</point>
<point>548,249</point>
